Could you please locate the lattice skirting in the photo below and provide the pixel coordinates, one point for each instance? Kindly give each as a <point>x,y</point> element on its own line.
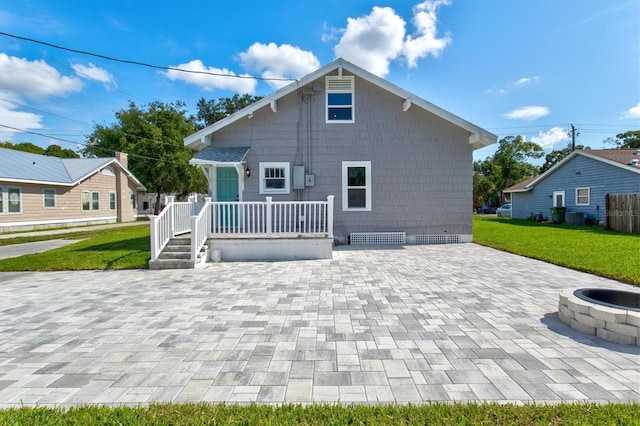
<point>378,238</point>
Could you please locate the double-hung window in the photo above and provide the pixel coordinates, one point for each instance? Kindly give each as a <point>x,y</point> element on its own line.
<point>274,178</point>
<point>112,200</point>
<point>340,99</point>
<point>583,196</point>
<point>49,198</point>
<point>356,185</point>
<point>90,200</point>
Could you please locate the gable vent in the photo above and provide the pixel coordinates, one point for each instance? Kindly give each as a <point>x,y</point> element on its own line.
<point>339,84</point>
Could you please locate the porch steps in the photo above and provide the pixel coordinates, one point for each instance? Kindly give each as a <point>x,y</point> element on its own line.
<point>177,255</point>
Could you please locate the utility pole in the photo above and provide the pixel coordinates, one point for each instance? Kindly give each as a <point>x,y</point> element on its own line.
<point>573,138</point>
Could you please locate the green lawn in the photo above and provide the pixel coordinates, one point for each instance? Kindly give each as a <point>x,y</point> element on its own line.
<point>115,248</point>
<point>584,248</point>
<point>323,414</point>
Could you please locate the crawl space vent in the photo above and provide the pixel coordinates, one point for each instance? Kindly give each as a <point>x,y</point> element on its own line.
<point>437,239</point>
<point>378,238</point>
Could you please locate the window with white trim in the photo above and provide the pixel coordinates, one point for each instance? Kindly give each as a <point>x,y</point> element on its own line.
<point>49,198</point>
<point>356,185</point>
<point>112,200</point>
<point>108,171</point>
<point>583,196</point>
<point>340,99</point>
<point>10,200</point>
<point>274,178</point>
<point>90,200</point>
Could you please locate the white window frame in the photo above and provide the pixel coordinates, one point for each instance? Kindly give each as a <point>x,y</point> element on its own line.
<point>555,199</point>
<point>108,171</point>
<point>350,90</point>
<point>91,193</point>
<point>345,185</point>
<point>5,201</point>
<point>588,197</point>
<point>46,191</point>
<point>113,198</point>
<point>263,180</point>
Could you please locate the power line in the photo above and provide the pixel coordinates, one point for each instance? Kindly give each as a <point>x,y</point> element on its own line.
<point>143,64</point>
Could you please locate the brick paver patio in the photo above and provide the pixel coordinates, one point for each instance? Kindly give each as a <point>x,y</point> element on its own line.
<point>412,324</point>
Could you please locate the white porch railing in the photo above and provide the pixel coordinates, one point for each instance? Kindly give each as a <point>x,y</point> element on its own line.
<point>250,218</point>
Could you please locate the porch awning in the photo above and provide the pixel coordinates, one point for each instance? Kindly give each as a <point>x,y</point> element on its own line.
<point>214,154</point>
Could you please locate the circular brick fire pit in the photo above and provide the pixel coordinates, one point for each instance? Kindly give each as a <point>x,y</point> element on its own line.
<point>612,315</point>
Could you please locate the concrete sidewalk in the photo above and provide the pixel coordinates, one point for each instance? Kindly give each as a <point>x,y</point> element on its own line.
<point>415,324</point>
<point>70,229</point>
<point>15,250</point>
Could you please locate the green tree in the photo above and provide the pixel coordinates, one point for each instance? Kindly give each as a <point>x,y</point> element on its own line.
<point>211,111</point>
<point>52,150</point>
<point>630,139</point>
<point>57,151</point>
<point>153,137</point>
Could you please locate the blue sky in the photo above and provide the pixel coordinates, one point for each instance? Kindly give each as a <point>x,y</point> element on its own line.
<point>526,67</point>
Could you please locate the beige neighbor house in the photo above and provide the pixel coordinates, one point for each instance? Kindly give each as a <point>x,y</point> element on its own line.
<point>38,191</point>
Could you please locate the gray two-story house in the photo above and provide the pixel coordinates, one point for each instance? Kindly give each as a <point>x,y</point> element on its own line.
<point>578,183</point>
<point>398,166</point>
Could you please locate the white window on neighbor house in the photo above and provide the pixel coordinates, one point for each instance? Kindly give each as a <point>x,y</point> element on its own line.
<point>10,200</point>
<point>356,185</point>
<point>108,171</point>
<point>558,199</point>
<point>274,178</point>
<point>49,198</point>
<point>112,200</point>
<point>90,200</point>
<point>134,200</point>
<point>583,196</point>
<point>340,99</point>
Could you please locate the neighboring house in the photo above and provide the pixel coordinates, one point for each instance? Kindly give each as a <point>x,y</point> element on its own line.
<point>395,162</point>
<point>38,191</point>
<point>579,182</point>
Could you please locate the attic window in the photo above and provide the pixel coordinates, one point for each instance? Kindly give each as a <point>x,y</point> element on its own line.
<point>108,171</point>
<point>340,99</point>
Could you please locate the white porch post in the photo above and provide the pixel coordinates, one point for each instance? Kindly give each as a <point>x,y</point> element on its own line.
<point>269,216</point>
<point>170,217</point>
<point>209,219</point>
<point>330,216</point>
<point>153,229</point>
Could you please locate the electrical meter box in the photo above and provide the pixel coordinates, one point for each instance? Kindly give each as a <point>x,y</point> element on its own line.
<point>298,177</point>
<point>309,180</point>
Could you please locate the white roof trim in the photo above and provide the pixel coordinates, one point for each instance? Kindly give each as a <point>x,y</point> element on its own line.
<point>483,137</point>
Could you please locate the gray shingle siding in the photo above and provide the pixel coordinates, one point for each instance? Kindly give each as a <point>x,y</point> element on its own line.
<point>579,172</point>
<point>421,164</point>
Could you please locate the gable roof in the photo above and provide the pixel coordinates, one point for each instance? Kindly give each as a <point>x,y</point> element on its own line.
<point>478,137</point>
<point>25,167</point>
<point>613,157</point>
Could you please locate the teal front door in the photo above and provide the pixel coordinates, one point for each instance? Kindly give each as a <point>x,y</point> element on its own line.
<point>227,190</point>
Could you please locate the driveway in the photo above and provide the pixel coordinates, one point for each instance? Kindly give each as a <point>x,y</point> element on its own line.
<point>413,324</point>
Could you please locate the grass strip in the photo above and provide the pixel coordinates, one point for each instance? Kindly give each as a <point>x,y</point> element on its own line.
<point>585,248</point>
<point>114,248</point>
<point>324,414</point>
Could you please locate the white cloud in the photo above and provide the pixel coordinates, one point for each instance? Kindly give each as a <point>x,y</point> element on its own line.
<point>92,72</point>
<point>528,113</point>
<point>525,80</point>
<point>547,139</point>
<point>633,112</point>
<point>426,43</point>
<point>14,118</point>
<point>374,40</point>
<point>283,62</point>
<point>224,81</point>
<point>35,79</point>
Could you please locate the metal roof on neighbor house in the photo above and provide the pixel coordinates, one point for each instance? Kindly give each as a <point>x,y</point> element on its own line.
<point>220,155</point>
<point>19,166</point>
